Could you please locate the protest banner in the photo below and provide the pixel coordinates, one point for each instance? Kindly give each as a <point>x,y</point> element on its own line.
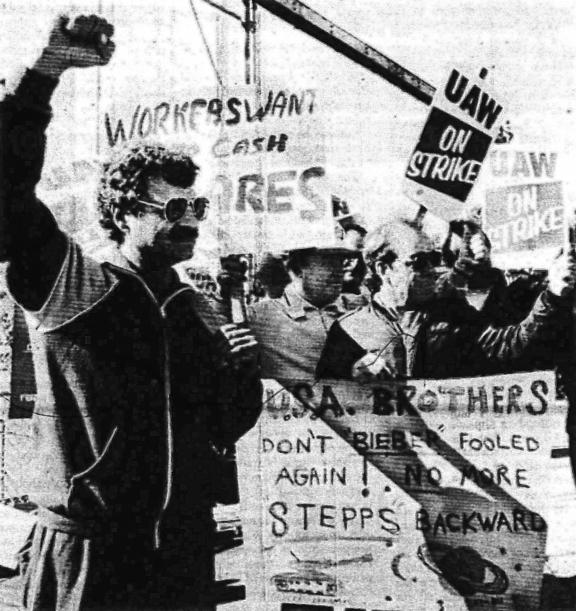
<point>454,142</point>
<point>361,488</point>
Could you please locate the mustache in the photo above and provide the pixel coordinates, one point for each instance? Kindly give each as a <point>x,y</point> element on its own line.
<point>182,233</point>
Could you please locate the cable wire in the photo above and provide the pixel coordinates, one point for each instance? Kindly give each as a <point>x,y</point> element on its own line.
<point>223,9</point>
<point>209,53</point>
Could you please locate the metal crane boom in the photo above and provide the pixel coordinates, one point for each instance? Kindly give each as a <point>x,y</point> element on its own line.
<point>316,25</point>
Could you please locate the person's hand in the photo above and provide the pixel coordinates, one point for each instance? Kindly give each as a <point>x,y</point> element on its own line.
<point>475,244</point>
<point>237,347</point>
<point>88,42</point>
<point>479,247</point>
<point>371,368</point>
<point>232,275</point>
<point>562,274</point>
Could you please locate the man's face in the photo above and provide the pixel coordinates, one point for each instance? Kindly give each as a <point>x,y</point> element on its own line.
<point>353,240</point>
<point>396,279</point>
<point>322,278</point>
<point>409,281</point>
<point>350,264</point>
<point>152,242</point>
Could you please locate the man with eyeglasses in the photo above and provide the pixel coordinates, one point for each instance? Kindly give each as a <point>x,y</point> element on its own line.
<point>409,330</point>
<point>140,379</point>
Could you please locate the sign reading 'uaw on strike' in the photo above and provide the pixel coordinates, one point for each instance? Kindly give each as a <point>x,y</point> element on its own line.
<point>525,217</point>
<point>454,142</point>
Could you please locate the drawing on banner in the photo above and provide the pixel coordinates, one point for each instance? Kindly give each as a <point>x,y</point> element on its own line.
<point>485,577</point>
<point>454,142</point>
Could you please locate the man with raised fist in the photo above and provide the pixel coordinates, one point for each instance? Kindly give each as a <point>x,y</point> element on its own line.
<point>139,380</point>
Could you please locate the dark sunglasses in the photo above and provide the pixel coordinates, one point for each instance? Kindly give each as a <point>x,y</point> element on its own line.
<point>175,208</point>
<point>424,260</point>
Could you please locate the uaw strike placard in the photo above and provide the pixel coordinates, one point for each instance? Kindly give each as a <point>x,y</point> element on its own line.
<point>454,142</point>
<point>525,217</point>
<point>421,494</point>
<point>525,214</point>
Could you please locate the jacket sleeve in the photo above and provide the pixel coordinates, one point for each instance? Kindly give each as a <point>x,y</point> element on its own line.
<point>239,404</point>
<point>339,355</point>
<point>30,240</point>
<point>514,345</point>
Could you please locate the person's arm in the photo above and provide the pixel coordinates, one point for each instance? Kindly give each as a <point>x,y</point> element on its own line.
<point>339,354</point>
<point>544,324</point>
<point>239,404</point>
<point>238,385</point>
<point>30,240</point>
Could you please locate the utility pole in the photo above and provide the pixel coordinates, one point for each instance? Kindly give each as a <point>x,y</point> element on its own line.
<point>253,77</point>
<point>250,54</point>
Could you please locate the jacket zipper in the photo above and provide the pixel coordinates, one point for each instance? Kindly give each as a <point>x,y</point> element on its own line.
<point>169,434</point>
<point>168,413</point>
<point>168,410</point>
<point>167,400</point>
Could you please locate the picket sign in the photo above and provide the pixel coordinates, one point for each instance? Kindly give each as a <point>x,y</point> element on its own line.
<point>454,142</point>
<point>429,494</point>
<point>525,223</point>
<point>526,212</point>
<point>262,159</point>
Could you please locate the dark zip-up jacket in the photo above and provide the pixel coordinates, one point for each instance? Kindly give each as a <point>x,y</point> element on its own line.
<point>131,400</point>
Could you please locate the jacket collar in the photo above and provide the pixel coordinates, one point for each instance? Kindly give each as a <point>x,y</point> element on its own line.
<point>383,311</point>
<point>297,307</point>
<point>112,255</point>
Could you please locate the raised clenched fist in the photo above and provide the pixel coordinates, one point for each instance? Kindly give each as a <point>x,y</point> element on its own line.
<point>87,41</point>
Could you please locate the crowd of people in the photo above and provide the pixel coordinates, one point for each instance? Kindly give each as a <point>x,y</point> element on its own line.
<point>390,304</point>
<point>141,379</point>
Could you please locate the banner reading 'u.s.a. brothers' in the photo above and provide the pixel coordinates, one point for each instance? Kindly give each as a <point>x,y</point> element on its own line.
<point>424,494</point>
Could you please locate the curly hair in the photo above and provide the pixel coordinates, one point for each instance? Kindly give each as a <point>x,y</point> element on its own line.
<point>124,180</point>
